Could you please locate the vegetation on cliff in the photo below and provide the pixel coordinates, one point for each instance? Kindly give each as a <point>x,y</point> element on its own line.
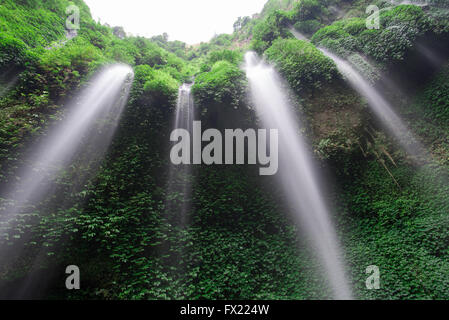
<point>239,243</point>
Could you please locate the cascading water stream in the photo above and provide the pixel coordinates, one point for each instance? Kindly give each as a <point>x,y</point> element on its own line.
<point>418,3</point>
<point>379,106</point>
<point>179,187</point>
<point>99,107</point>
<point>434,58</point>
<point>298,35</point>
<point>376,101</point>
<point>6,87</point>
<point>298,176</point>
<point>8,79</point>
<point>179,183</point>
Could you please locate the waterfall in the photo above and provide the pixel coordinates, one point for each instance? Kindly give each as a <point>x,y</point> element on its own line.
<point>298,35</point>
<point>8,80</point>
<point>179,182</point>
<point>418,3</point>
<point>184,108</point>
<point>298,176</point>
<point>4,88</point>
<point>85,134</point>
<point>379,105</point>
<point>434,58</point>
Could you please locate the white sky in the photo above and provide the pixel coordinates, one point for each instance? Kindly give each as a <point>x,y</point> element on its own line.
<point>191,21</point>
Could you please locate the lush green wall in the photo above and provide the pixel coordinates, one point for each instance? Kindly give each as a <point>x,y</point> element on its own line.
<point>239,240</point>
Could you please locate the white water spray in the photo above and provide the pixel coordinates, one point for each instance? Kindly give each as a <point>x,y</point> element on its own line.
<point>184,108</point>
<point>179,176</point>
<point>8,80</point>
<point>4,88</point>
<point>297,173</point>
<point>434,58</point>
<point>379,106</point>
<point>418,3</point>
<point>100,105</point>
<point>298,35</point>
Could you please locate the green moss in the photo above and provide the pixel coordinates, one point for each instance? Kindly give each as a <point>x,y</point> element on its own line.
<point>308,27</point>
<point>161,86</point>
<point>238,243</point>
<point>232,56</point>
<point>275,25</point>
<point>303,65</point>
<point>403,231</point>
<point>224,84</point>
<point>34,25</point>
<point>400,28</point>
<point>307,10</point>
<point>435,97</point>
<point>13,52</point>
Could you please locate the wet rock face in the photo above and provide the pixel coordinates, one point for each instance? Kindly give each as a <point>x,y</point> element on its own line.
<point>331,121</point>
<point>336,119</point>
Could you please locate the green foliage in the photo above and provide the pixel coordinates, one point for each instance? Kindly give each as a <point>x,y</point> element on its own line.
<point>428,115</point>
<point>403,231</point>
<point>204,53</point>
<point>236,243</point>
<point>308,16</point>
<point>122,51</point>
<point>224,84</point>
<point>307,10</point>
<point>274,5</point>
<point>435,97</point>
<point>31,23</point>
<point>304,66</point>
<point>13,52</point>
<point>161,86</point>
<point>76,55</point>
<point>340,37</point>
<point>439,3</point>
<point>308,27</point>
<point>221,40</point>
<point>241,22</point>
<point>439,19</point>
<point>62,68</point>
<point>42,70</point>
<point>231,56</point>
<point>177,47</point>
<point>275,25</point>
<point>400,28</point>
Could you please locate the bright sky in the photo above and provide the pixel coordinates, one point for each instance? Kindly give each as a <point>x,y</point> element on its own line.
<point>191,21</point>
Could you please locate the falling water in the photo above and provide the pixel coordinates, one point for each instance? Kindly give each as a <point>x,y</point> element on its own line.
<point>8,79</point>
<point>179,184</point>
<point>434,58</point>
<point>376,101</point>
<point>379,106</point>
<point>298,176</point>
<point>184,108</point>
<point>298,35</point>
<point>4,88</point>
<point>418,3</point>
<point>97,108</point>
<point>179,190</point>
